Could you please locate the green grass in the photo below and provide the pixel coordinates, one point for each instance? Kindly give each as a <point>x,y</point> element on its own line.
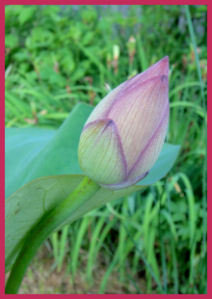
<point>56,57</point>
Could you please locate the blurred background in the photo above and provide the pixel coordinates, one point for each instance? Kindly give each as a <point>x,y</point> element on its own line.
<point>152,241</point>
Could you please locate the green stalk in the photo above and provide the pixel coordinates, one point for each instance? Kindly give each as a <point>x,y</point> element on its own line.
<point>48,223</point>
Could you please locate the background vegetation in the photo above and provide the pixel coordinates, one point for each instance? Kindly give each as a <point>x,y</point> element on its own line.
<point>150,242</point>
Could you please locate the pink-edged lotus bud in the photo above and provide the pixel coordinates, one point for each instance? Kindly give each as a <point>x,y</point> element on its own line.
<point>124,134</point>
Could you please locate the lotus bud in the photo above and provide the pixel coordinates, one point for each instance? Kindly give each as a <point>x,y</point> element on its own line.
<point>124,134</point>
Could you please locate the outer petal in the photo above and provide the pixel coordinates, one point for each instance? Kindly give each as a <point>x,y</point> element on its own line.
<point>102,109</point>
<point>100,152</point>
<point>138,113</point>
<point>147,157</point>
<point>161,68</point>
<point>150,153</point>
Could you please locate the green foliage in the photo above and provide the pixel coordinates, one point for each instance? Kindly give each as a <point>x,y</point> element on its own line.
<point>57,56</point>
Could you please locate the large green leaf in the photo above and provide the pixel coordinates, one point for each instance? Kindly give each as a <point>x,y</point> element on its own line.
<point>35,154</point>
<point>22,146</point>
<point>32,152</point>
<point>27,205</point>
